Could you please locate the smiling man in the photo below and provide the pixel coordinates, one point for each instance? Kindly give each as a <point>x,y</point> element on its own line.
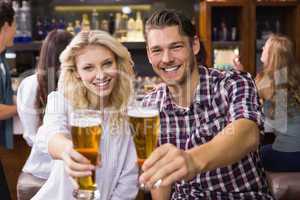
<point>210,121</point>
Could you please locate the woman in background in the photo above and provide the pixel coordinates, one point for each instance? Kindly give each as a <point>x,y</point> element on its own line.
<point>278,87</point>
<point>31,102</point>
<point>96,74</point>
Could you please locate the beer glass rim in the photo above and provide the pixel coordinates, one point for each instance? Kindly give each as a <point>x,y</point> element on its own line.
<point>86,117</point>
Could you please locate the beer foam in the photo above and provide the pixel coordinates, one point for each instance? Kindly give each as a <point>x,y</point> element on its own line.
<point>142,112</point>
<point>85,122</point>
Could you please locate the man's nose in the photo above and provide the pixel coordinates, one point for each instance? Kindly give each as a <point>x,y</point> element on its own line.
<point>167,57</point>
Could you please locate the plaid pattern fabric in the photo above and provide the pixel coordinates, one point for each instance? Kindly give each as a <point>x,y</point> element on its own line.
<point>221,97</point>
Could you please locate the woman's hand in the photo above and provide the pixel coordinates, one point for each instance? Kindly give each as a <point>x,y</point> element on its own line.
<point>76,164</point>
<point>237,64</point>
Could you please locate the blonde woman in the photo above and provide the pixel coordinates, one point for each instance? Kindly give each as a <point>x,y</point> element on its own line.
<point>278,87</point>
<point>96,74</point>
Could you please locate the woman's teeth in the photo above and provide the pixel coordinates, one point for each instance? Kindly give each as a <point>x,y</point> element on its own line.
<point>102,83</point>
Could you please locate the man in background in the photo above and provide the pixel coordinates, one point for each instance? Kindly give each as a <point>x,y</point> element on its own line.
<point>7,109</point>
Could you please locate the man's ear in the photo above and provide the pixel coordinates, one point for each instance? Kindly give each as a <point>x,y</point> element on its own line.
<point>196,45</point>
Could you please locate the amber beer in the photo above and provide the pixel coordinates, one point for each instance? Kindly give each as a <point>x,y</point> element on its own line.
<point>86,133</point>
<point>145,127</point>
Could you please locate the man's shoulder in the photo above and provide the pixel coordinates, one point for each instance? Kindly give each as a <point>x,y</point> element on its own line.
<point>227,76</point>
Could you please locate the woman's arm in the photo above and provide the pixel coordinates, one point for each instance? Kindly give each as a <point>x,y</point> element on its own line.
<point>26,105</point>
<point>52,137</point>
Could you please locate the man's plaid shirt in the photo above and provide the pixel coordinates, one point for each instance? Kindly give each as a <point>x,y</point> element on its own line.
<point>221,98</point>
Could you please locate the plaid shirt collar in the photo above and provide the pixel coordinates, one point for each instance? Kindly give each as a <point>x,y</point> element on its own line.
<point>202,95</point>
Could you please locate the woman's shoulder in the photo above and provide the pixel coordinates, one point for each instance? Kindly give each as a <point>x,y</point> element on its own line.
<point>56,102</point>
<point>27,89</point>
<point>29,83</point>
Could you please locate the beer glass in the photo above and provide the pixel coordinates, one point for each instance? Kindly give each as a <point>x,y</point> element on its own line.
<point>86,131</point>
<point>145,128</point>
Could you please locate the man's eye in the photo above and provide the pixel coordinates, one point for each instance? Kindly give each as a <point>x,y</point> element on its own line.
<point>177,47</point>
<point>156,51</point>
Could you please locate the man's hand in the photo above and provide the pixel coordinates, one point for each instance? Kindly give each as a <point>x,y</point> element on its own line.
<point>169,164</point>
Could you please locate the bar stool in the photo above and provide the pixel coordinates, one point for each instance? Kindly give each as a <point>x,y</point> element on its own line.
<point>28,185</point>
<point>284,185</point>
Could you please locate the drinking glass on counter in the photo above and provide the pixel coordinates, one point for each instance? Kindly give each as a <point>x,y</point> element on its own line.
<point>145,128</point>
<point>86,131</point>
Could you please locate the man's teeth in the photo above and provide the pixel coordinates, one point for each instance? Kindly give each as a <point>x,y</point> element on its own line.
<point>171,68</point>
<point>102,83</point>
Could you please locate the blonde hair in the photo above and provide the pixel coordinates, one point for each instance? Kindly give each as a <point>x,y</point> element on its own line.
<point>74,90</point>
<point>281,57</point>
<point>280,54</point>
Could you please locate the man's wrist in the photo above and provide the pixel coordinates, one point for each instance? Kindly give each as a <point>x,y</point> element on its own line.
<point>196,164</point>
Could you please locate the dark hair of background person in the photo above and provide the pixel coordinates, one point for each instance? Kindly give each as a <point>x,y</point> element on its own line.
<point>48,65</point>
<point>169,17</point>
<point>6,13</point>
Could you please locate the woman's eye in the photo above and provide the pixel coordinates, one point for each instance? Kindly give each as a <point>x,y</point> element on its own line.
<point>108,64</point>
<point>87,68</point>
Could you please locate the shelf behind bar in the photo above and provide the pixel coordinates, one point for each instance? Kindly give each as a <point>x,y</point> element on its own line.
<point>226,44</point>
<point>36,46</point>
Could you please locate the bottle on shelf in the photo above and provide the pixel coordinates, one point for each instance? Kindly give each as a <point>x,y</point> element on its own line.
<point>25,18</point>
<point>85,23</point>
<point>223,31</point>
<point>139,25</point>
<point>77,27</point>
<point>233,34</point>
<point>95,20</point>
<point>70,28</point>
<point>111,23</point>
<point>18,34</point>
<point>39,32</point>
<point>215,34</point>
<point>123,27</point>
<point>61,24</point>
<point>131,30</point>
<point>117,32</point>
<point>104,25</point>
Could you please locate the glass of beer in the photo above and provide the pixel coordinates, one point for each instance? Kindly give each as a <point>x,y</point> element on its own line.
<point>86,131</point>
<point>145,128</point>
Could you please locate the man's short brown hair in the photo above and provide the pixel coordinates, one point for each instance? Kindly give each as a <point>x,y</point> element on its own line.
<point>6,13</point>
<point>168,17</point>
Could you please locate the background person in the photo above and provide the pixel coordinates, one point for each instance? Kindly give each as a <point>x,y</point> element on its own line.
<point>278,86</point>
<point>31,102</point>
<point>7,108</point>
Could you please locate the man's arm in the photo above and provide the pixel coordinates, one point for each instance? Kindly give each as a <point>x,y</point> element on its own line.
<point>229,146</point>
<point>170,164</point>
<point>161,193</point>
<point>7,111</point>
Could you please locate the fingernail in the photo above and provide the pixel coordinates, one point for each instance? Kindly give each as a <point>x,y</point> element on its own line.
<point>92,167</point>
